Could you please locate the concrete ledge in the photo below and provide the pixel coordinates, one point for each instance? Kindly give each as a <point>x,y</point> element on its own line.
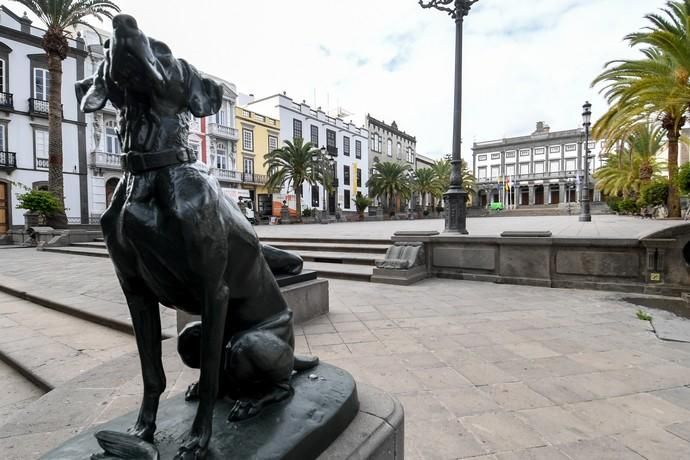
<point>399,277</point>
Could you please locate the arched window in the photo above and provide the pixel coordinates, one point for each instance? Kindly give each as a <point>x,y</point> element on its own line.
<point>221,156</point>
<point>110,186</point>
<point>3,85</point>
<point>399,151</point>
<point>389,147</point>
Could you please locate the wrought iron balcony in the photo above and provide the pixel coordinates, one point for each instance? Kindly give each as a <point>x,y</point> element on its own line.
<point>332,149</point>
<point>38,107</point>
<point>8,160</point>
<point>225,132</point>
<point>106,160</point>
<point>258,179</point>
<point>6,100</point>
<point>226,175</point>
<point>42,163</point>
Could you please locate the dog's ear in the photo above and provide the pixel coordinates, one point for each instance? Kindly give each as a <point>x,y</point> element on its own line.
<point>203,94</point>
<point>92,93</point>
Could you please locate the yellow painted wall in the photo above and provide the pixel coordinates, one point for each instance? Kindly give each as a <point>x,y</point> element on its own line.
<point>262,127</point>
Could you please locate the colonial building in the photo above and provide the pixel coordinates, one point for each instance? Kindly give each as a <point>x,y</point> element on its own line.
<point>422,161</point>
<point>388,143</point>
<point>24,87</point>
<point>347,144</point>
<point>260,135</point>
<point>543,168</point>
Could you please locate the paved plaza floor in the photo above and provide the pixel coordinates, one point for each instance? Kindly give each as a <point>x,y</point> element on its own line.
<point>484,371</point>
<point>602,226</point>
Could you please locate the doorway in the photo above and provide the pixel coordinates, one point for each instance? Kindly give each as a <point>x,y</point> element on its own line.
<point>4,208</point>
<point>110,189</point>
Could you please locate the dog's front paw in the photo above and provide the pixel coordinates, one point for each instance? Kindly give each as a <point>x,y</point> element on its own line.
<point>243,410</point>
<point>192,393</point>
<point>143,431</point>
<point>192,450</point>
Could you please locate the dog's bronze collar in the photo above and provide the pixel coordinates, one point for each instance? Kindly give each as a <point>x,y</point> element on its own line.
<point>139,162</point>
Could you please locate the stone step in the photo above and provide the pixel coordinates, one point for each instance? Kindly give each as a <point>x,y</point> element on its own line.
<point>93,251</point>
<point>332,246</point>
<point>341,271</point>
<point>360,241</point>
<point>50,348</point>
<point>352,258</point>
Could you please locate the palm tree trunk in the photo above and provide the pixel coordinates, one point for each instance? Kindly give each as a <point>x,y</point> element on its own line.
<point>298,202</point>
<point>673,201</point>
<point>55,176</point>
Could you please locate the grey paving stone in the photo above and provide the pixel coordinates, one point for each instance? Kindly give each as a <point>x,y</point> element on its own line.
<point>655,443</point>
<point>502,432</point>
<point>600,449</point>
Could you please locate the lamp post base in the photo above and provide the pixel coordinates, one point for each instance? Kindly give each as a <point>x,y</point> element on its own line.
<point>586,218</point>
<point>455,205</point>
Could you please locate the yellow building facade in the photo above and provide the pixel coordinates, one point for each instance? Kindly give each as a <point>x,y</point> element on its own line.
<point>258,135</point>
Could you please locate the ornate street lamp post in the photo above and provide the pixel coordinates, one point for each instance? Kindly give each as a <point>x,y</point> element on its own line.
<point>585,215</point>
<point>455,197</point>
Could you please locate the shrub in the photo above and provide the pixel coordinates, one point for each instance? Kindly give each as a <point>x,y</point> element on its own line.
<point>306,212</point>
<point>683,178</point>
<point>654,194</point>
<point>614,203</point>
<point>362,202</point>
<point>39,201</point>
<point>439,208</point>
<point>628,206</point>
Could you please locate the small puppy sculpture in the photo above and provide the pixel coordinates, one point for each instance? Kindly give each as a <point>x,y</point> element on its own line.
<point>176,240</point>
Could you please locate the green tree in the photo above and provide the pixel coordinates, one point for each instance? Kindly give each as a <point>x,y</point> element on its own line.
<point>425,182</point>
<point>294,164</point>
<point>390,180</point>
<point>632,162</point>
<point>653,87</point>
<point>442,169</point>
<point>59,16</point>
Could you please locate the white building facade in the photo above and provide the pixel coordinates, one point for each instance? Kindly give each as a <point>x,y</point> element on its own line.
<point>347,144</point>
<point>541,169</point>
<point>24,85</point>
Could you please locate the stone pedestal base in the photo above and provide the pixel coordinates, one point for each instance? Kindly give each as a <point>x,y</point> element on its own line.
<point>398,276</point>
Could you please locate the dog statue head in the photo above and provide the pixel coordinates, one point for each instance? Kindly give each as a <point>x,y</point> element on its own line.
<point>148,86</point>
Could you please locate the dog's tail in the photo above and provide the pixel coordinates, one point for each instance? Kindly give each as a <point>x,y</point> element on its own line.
<point>304,363</point>
<point>123,445</point>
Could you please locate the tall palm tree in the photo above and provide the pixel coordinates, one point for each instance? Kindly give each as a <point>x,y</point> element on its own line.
<point>294,164</point>
<point>425,183</point>
<point>59,17</point>
<point>390,180</point>
<point>634,163</point>
<point>656,86</point>
<point>442,169</point>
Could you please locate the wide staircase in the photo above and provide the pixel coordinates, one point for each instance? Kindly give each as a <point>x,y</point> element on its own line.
<point>336,258</point>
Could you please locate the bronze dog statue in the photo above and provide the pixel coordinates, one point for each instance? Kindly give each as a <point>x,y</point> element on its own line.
<point>175,239</point>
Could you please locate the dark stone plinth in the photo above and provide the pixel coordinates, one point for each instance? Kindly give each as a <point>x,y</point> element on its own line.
<point>287,280</point>
<point>301,428</point>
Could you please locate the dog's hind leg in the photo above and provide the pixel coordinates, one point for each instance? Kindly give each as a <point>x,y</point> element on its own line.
<point>143,307</point>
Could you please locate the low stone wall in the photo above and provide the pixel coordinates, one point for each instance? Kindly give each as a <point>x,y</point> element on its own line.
<point>655,264</point>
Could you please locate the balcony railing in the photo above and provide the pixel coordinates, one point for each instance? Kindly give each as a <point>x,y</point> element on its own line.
<point>106,160</point>
<point>534,176</point>
<point>259,179</point>
<point>8,160</point>
<point>7,100</point>
<point>222,131</point>
<point>226,175</point>
<point>332,149</point>
<point>42,163</point>
<point>40,107</point>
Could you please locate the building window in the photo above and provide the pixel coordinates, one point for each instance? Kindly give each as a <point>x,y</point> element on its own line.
<point>410,156</point>
<point>314,196</point>
<point>315,135</point>
<point>555,166</point>
<point>555,149</point>
<point>379,143</point>
<point>41,148</point>
<point>195,147</point>
<point>221,156</point>
<point>346,175</point>
<point>539,151</point>
<point>41,83</point>
<point>571,147</point>
<point>524,169</point>
<point>247,140</point>
<point>510,170</point>
<point>592,145</point>
<point>3,138</point>
<point>539,167</point>
<point>524,153</point>
<point>481,172</point>
<point>272,143</point>
<point>112,143</point>
<point>510,154</point>
<point>359,177</point>
<point>376,143</point>
<point>220,118</point>
<point>495,156</point>
<point>249,165</point>
<point>2,77</point>
<point>389,147</point>
<point>399,151</point>
<point>481,157</point>
<point>358,149</point>
<point>570,165</point>
<point>495,171</point>
<point>347,199</point>
<point>330,138</point>
<point>297,129</point>
<point>346,146</point>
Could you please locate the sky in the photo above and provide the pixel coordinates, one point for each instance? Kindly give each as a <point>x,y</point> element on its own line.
<point>524,61</point>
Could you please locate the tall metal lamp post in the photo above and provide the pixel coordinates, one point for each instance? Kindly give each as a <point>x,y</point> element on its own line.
<point>585,215</point>
<point>455,197</point>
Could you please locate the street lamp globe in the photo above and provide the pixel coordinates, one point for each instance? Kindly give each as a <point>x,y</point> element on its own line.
<point>587,114</point>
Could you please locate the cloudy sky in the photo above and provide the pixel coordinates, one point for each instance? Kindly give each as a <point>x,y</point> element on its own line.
<point>524,61</point>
